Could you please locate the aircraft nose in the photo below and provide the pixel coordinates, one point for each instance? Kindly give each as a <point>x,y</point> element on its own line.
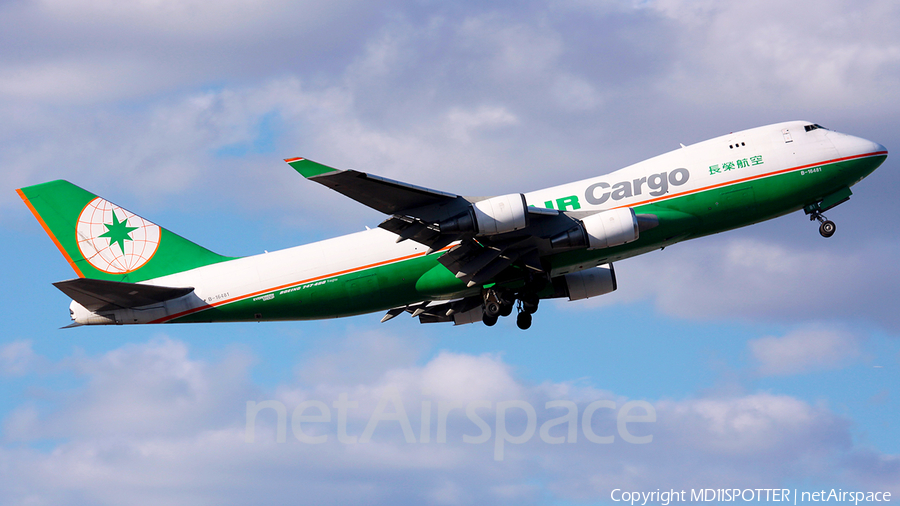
<point>869,155</point>
<point>855,146</point>
<point>866,146</point>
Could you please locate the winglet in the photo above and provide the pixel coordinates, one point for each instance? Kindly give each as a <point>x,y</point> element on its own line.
<point>309,168</point>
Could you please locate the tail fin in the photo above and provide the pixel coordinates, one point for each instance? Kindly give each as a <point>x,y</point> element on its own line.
<point>104,241</point>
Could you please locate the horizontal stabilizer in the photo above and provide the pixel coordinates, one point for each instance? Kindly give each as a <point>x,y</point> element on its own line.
<point>99,295</point>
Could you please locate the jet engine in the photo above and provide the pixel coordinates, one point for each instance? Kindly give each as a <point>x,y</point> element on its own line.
<point>496,215</point>
<point>602,230</point>
<point>587,283</point>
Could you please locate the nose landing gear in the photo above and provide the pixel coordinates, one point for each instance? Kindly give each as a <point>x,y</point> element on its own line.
<point>815,210</point>
<point>826,227</point>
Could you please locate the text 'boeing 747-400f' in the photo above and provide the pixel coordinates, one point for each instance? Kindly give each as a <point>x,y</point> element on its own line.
<point>447,258</point>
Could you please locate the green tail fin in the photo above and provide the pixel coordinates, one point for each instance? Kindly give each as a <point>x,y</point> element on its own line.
<point>104,241</point>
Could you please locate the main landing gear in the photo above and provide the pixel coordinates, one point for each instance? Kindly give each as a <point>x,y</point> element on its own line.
<point>523,320</point>
<point>826,227</point>
<point>528,305</point>
<point>499,303</point>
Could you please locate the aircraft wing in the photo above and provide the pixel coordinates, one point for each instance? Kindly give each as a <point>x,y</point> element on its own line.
<point>379,193</point>
<point>416,211</point>
<point>433,218</point>
<point>100,295</point>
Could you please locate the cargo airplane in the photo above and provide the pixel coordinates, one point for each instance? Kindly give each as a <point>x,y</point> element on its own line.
<point>443,257</point>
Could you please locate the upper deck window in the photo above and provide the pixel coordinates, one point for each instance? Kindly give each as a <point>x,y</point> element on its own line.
<point>816,126</point>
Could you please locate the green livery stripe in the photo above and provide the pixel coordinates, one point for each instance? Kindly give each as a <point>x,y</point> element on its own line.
<point>309,168</point>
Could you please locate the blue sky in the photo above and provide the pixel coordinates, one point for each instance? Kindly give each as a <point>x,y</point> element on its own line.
<point>770,355</point>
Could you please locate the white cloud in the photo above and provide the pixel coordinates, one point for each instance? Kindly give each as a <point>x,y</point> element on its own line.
<point>152,388</point>
<point>360,358</point>
<point>173,146</point>
<point>476,101</point>
<point>169,15</point>
<point>100,54</point>
<point>463,378</point>
<point>153,425</point>
<point>576,94</point>
<point>514,50</point>
<point>803,350</point>
<point>17,358</point>
<point>462,124</point>
<point>717,442</point>
<point>757,424</point>
<point>808,52</point>
<point>74,82</point>
<point>749,278</point>
<point>167,100</point>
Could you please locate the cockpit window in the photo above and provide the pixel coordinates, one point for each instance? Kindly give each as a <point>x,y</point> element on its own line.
<point>816,126</point>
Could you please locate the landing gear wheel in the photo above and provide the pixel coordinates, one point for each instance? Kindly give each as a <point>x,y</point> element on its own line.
<point>523,320</point>
<point>530,303</point>
<point>489,320</point>
<point>827,228</point>
<point>506,309</point>
<point>492,309</point>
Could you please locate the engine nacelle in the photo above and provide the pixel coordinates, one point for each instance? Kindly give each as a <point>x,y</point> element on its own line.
<point>611,228</point>
<point>496,215</point>
<point>589,282</point>
<point>602,230</point>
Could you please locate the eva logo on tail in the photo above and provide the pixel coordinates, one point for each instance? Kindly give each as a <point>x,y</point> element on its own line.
<point>114,240</point>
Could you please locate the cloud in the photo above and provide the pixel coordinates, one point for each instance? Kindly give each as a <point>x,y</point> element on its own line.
<point>192,105</point>
<point>512,50</point>
<point>573,93</point>
<point>145,48</point>
<point>743,277</point>
<point>476,99</point>
<point>69,82</point>
<point>152,424</point>
<point>462,124</point>
<point>802,54</point>
<point>717,442</point>
<point>17,358</point>
<point>153,388</point>
<point>359,358</point>
<point>804,350</point>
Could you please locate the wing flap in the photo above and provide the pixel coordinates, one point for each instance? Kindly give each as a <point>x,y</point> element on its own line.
<point>100,295</point>
<point>438,311</point>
